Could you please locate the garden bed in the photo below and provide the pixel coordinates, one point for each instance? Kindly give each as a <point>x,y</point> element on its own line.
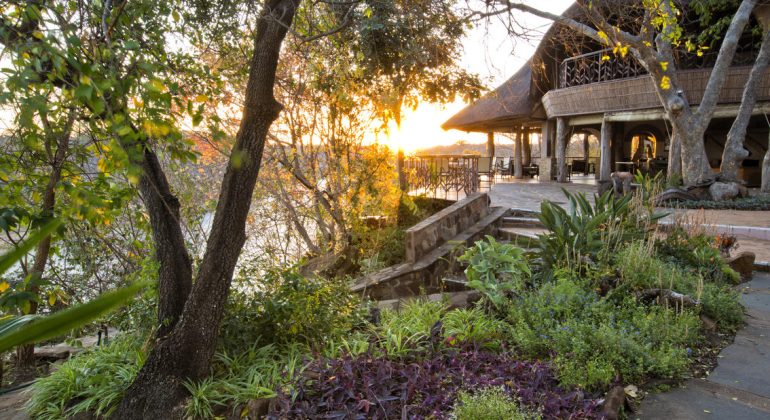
<point>601,308</point>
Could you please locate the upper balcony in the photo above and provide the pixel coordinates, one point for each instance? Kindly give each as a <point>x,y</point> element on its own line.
<point>590,85</point>
<point>596,67</point>
<point>604,65</point>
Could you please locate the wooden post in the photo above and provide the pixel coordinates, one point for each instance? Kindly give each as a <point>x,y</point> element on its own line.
<point>562,134</point>
<point>604,152</point>
<point>586,153</point>
<point>527,150</point>
<point>491,144</point>
<point>518,171</point>
<point>402,184</point>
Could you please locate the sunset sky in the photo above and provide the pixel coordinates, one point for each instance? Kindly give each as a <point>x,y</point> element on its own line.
<point>491,53</point>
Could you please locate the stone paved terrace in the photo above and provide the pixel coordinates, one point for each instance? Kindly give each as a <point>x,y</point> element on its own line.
<point>527,194</point>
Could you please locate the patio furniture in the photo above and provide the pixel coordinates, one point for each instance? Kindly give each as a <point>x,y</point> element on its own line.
<point>503,166</point>
<point>485,168</point>
<point>531,171</point>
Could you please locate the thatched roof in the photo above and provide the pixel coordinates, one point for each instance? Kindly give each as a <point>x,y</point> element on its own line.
<point>517,101</point>
<point>510,103</point>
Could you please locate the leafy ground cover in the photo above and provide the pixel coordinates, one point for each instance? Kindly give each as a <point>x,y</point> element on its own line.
<point>760,202</point>
<point>604,301</point>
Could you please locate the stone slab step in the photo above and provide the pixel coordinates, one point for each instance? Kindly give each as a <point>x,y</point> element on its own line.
<point>515,221</point>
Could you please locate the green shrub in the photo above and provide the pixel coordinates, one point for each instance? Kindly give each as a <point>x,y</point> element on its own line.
<point>596,338</point>
<point>489,404</point>
<point>586,230</point>
<point>257,373</point>
<point>92,381</point>
<point>642,269</point>
<point>696,253</point>
<point>285,307</point>
<point>474,326</point>
<point>496,270</point>
<point>407,330</point>
<point>722,304</point>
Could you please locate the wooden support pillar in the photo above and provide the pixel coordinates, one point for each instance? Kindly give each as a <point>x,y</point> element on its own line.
<point>605,152</point>
<point>562,138</point>
<point>527,149</point>
<point>491,144</point>
<point>586,153</point>
<point>518,171</point>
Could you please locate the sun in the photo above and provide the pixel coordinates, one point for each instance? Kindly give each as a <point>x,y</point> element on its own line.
<point>421,128</point>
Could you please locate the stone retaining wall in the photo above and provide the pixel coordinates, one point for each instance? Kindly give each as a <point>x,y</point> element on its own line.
<point>441,227</point>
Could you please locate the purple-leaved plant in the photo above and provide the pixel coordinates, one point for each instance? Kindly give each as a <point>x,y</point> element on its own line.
<point>367,387</point>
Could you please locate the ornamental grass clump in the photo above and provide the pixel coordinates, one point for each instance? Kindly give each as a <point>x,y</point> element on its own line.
<point>489,404</point>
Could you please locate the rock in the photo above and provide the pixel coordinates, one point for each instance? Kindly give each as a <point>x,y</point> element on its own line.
<point>52,354</point>
<point>708,323</point>
<point>613,402</point>
<point>743,263</point>
<point>674,194</point>
<point>259,408</point>
<point>604,186</point>
<point>699,192</point>
<point>743,191</point>
<point>723,191</point>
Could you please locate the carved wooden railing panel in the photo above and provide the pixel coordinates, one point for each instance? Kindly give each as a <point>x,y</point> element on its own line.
<point>604,65</point>
<point>442,174</point>
<point>599,66</point>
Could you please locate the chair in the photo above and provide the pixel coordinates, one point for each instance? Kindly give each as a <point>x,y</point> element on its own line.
<point>503,166</point>
<point>531,171</point>
<point>485,168</point>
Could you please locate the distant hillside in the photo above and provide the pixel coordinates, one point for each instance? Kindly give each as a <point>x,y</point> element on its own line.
<point>504,148</point>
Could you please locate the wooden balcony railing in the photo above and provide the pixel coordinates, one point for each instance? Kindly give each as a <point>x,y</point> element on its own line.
<point>595,67</point>
<point>604,65</point>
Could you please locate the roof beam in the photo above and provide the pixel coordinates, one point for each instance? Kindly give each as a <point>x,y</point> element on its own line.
<point>722,111</point>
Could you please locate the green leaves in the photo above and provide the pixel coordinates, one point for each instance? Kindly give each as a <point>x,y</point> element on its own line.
<point>496,270</point>
<point>8,260</point>
<point>584,230</point>
<point>15,331</point>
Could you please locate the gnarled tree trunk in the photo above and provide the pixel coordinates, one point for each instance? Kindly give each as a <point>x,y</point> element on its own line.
<point>185,352</point>
<point>674,170</point>
<point>734,152</point>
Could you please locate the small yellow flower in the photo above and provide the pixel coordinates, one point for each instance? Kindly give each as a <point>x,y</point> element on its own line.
<point>665,83</point>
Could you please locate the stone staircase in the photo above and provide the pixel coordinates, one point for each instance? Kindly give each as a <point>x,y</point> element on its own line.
<point>432,247</point>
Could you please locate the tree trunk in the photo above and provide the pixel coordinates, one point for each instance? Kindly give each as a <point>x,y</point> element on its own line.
<point>674,170</point>
<point>186,352</point>
<point>765,187</point>
<point>561,149</point>
<point>695,165</point>
<point>518,172</point>
<point>175,272</point>
<point>25,354</point>
<point>734,153</point>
